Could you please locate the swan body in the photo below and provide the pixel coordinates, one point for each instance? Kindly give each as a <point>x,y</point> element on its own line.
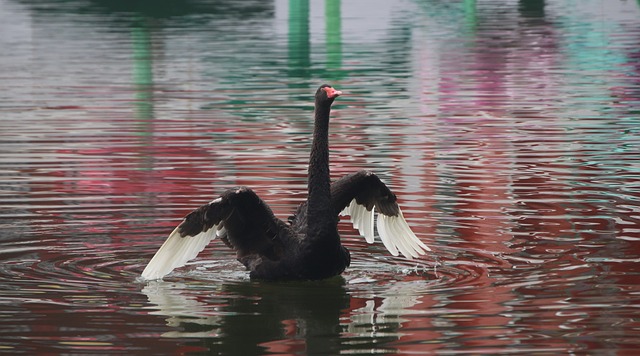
<point>307,246</point>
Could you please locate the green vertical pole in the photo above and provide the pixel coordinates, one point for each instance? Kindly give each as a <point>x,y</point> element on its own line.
<point>299,46</point>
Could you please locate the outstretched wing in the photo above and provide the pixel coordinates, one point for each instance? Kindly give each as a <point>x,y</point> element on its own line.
<point>239,217</point>
<point>359,195</point>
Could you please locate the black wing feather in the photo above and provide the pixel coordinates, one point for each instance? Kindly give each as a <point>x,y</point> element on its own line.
<point>243,220</point>
<point>367,189</point>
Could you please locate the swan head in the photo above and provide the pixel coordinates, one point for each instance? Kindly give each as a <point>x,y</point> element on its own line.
<point>327,93</point>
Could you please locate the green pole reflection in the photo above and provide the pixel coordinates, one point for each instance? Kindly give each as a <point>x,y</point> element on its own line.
<point>334,39</point>
<point>143,84</point>
<point>299,46</point>
<point>531,8</point>
<point>142,72</point>
<point>470,14</point>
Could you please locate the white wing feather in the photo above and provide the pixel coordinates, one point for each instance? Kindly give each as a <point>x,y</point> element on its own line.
<point>395,233</point>
<point>176,251</point>
<point>362,219</point>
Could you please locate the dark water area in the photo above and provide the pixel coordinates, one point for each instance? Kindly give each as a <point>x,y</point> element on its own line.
<point>508,129</point>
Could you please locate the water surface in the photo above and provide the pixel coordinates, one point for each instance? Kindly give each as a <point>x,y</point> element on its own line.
<point>508,130</point>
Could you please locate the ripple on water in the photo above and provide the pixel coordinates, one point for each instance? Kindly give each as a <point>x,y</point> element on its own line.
<point>508,131</point>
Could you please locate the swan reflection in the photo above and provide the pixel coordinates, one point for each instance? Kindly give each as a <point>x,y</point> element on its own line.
<point>316,317</point>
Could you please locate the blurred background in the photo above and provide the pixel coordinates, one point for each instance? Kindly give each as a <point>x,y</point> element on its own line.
<point>508,130</point>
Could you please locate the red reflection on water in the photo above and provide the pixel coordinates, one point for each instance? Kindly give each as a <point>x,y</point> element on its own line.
<point>499,212</point>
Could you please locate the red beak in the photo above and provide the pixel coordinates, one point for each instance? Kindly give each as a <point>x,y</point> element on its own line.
<point>332,93</point>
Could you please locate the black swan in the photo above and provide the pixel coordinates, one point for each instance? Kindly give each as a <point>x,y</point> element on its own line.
<point>307,247</point>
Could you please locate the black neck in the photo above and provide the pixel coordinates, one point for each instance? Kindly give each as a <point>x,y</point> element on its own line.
<point>319,201</point>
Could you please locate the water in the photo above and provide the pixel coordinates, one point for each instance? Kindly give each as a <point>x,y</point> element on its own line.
<point>508,130</point>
